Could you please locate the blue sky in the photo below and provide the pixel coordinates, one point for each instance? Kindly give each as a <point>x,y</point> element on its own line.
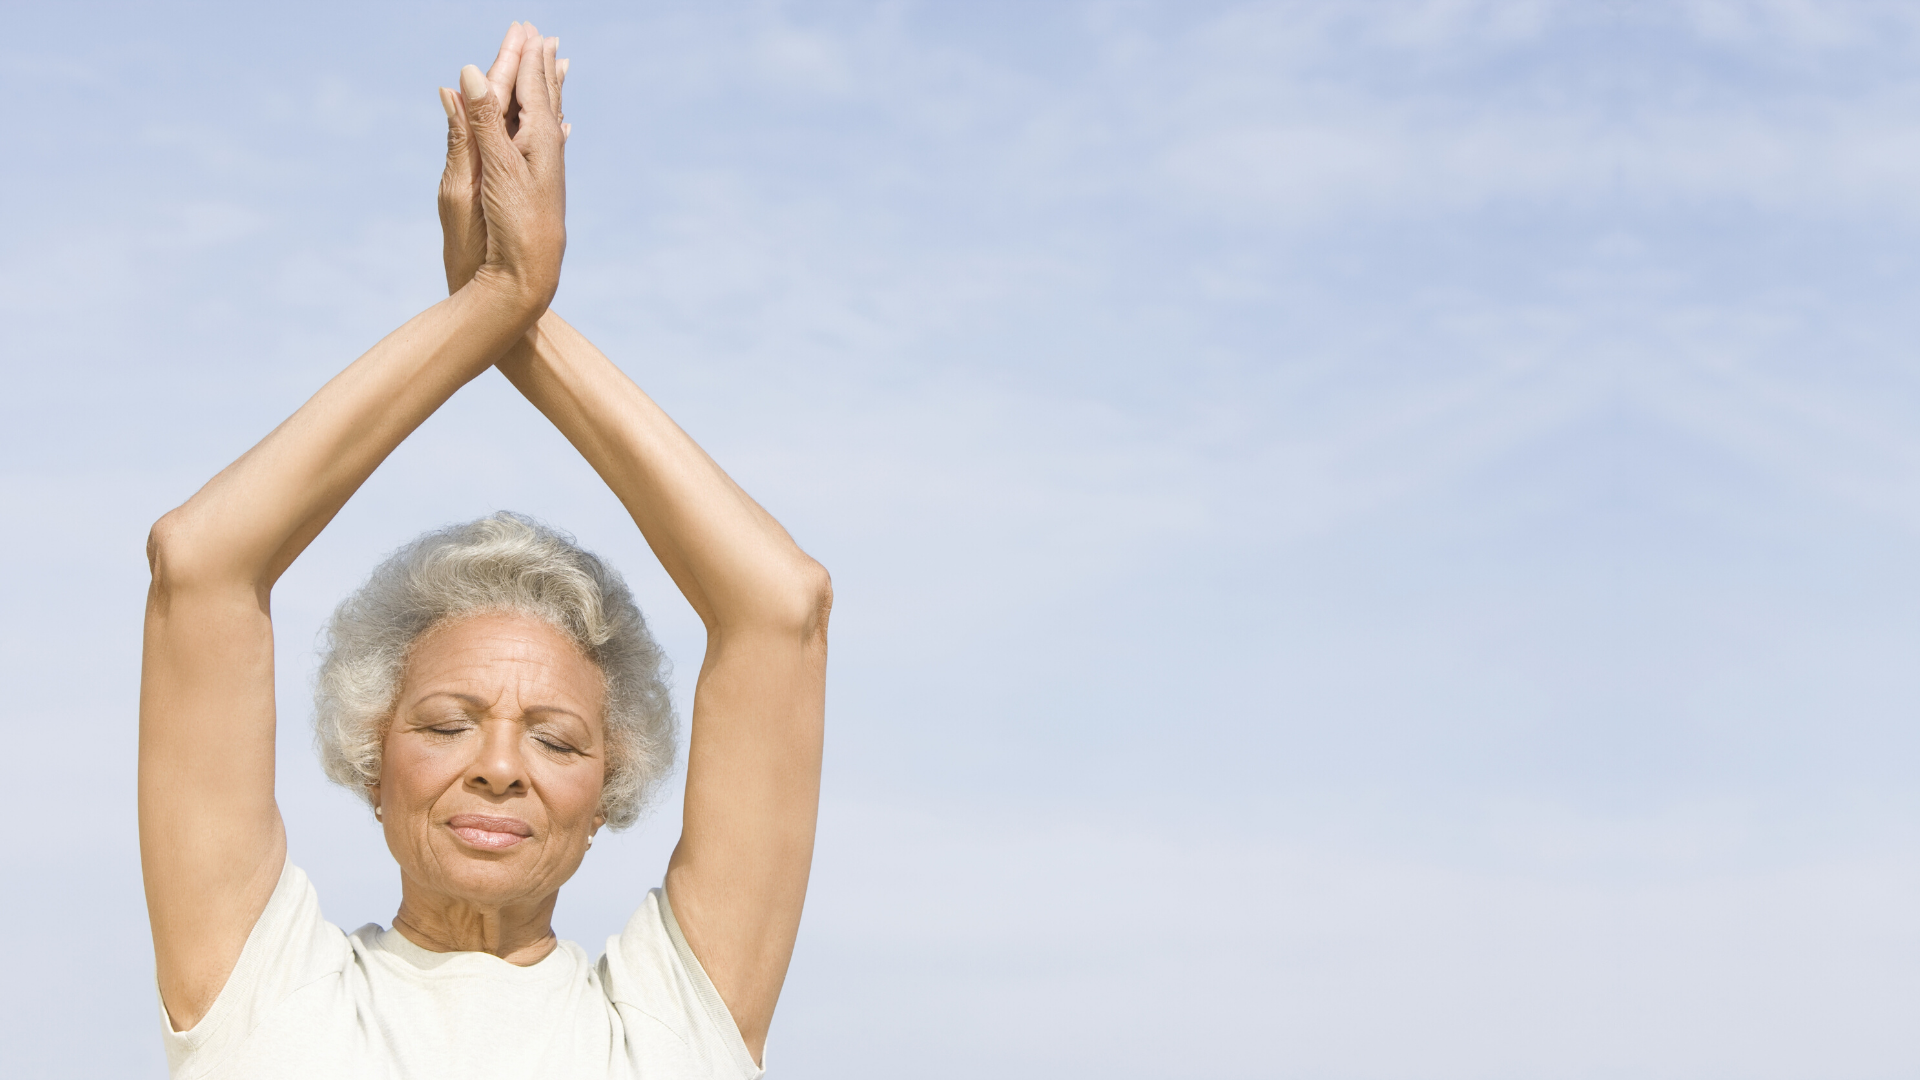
<point>1372,539</point>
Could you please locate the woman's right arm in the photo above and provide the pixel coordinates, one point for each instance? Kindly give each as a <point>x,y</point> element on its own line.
<point>211,840</point>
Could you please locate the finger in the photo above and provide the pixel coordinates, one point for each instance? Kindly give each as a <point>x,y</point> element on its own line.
<point>555,75</point>
<point>505,72</point>
<point>536,108</point>
<point>463,227</point>
<point>487,123</point>
<point>552,67</point>
<point>506,65</point>
<point>463,159</point>
<point>459,139</point>
<point>531,43</point>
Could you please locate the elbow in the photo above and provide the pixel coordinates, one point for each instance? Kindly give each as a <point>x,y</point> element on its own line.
<point>803,600</point>
<point>163,547</point>
<point>786,598</point>
<point>818,593</point>
<point>179,558</point>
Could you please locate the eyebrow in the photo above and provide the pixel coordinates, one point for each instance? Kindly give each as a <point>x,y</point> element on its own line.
<point>478,704</point>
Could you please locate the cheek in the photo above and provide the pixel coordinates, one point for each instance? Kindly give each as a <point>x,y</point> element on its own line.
<point>418,772</point>
<point>575,791</point>
<point>571,791</point>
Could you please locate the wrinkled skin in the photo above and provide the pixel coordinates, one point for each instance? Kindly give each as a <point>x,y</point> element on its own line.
<point>499,717</point>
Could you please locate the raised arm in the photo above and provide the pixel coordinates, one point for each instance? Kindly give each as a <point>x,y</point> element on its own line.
<point>738,877</point>
<point>211,839</point>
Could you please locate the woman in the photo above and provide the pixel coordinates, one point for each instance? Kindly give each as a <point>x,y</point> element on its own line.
<point>493,695</point>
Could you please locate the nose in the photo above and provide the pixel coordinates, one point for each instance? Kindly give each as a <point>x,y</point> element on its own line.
<point>499,768</point>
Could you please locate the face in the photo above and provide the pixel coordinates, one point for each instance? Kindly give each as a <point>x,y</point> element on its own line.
<point>495,757</point>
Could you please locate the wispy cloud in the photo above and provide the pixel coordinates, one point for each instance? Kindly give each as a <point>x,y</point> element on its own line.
<point>1394,513</point>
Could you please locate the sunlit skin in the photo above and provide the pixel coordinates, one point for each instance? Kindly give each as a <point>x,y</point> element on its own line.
<point>490,785</point>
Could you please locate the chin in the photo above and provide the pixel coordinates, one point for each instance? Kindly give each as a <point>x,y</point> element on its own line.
<point>490,882</point>
<point>497,877</point>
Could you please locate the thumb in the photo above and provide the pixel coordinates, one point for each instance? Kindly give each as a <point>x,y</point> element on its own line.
<point>486,122</point>
<point>460,161</point>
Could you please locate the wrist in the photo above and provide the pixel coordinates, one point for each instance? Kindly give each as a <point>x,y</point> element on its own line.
<point>512,299</point>
<point>525,350</point>
<point>497,316</point>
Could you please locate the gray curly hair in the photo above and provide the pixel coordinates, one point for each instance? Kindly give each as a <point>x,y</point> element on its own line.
<point>503,563</point>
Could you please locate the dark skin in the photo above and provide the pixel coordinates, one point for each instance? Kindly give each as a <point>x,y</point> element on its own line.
<point>485,702</point>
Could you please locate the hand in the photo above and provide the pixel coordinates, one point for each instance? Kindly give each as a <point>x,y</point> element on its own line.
<point>463,227</point>
<point>502,196</point>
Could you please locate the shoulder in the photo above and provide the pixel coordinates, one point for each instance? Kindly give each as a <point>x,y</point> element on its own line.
<point>289,948</point>
<point>652,976</point>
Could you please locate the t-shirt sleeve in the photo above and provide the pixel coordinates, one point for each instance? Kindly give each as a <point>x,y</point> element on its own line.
<point>290,946</point>
<point>674,1019</point>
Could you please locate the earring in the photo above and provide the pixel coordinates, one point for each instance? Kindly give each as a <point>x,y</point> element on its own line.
<point>376,814</point>
<point>589,840</point>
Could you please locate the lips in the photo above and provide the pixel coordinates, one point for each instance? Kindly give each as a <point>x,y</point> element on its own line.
<point>485,831</point>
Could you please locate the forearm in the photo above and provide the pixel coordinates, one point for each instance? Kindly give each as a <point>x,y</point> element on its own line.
<point>738,876</point>
<point>251,521</point>
<point>732,560</point>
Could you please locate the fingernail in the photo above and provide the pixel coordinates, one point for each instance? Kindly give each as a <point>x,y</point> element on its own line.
<point>563,68</point>
<point>446,101</point>
<point>472,83</point>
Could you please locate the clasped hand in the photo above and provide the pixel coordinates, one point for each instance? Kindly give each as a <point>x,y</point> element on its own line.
<point>503,196</point>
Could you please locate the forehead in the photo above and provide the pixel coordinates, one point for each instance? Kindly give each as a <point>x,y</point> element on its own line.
<point>492,655</point>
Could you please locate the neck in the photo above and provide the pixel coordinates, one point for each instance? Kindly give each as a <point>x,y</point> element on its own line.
<point>519,933</point>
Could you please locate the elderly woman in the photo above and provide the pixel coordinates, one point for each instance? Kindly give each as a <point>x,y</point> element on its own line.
<point>492,693</point>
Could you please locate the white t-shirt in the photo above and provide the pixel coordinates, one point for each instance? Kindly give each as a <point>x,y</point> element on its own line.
<point>308,1002</point>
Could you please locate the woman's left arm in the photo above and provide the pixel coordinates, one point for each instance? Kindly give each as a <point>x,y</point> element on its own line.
<point>738,877</point>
